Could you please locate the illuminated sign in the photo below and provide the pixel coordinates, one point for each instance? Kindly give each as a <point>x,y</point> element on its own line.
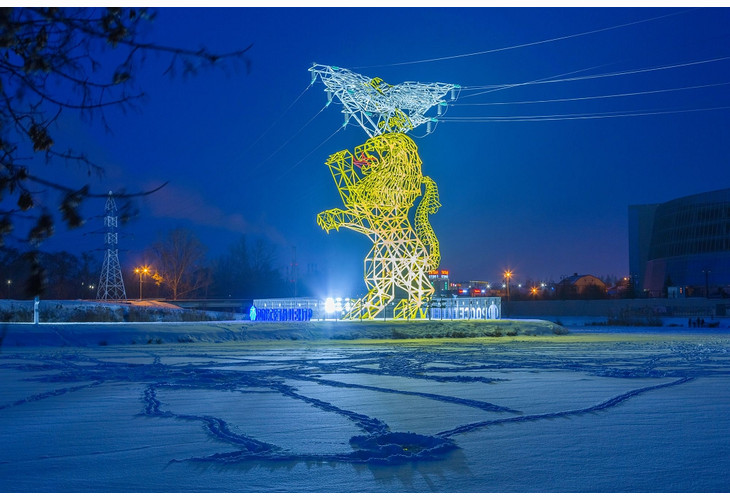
<point>280,314</point>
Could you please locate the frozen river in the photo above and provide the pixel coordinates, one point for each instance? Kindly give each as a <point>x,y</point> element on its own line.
<point>624,411</point>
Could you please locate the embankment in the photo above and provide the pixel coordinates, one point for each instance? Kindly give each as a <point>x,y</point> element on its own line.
<point>96,334</point>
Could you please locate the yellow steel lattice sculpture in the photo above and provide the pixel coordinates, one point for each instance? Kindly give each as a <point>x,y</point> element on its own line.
<point>379,183</point>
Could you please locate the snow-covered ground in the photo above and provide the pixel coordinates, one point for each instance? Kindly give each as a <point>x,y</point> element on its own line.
<point>619,410</point>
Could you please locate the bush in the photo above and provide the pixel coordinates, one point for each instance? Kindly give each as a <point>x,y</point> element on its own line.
<point>396,334</point>
<point>193,315</point>
<point>16,316</point>
<point>95,314</point>
<point>642,317</point>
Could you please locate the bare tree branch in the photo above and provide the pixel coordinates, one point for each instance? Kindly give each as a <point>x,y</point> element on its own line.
<point>54,60</point>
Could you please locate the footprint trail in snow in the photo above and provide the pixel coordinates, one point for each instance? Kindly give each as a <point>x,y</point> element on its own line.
<point>429,376</point>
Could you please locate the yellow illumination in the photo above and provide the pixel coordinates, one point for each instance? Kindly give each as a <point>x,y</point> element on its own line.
<point>379,183</point>
<point>142,270</point>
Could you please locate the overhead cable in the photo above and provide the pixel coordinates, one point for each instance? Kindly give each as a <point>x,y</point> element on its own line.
<point>607,96</point>
<point>531,82</point>
<point>289,139</point>
<point>341,127</point>
<point>493,88</point>
<point>279,118</point>
<point>529,44</point>
<point>575,116</point>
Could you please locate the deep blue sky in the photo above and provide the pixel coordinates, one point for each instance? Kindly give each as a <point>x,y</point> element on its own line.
<point>546,198</point>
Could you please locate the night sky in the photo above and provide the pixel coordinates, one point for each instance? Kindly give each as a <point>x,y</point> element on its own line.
<point>543,190</point>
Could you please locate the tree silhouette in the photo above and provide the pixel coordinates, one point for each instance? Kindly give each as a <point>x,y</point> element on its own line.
<point>57,60</point>
<point>182,263</point>
<point>248,270</point>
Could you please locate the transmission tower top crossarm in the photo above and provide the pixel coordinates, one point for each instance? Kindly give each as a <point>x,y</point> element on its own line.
<point>379,107</point>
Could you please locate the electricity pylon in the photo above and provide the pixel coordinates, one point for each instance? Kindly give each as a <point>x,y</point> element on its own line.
<point>379,183</point>
<point>111,283</point>
<point>379,107</point>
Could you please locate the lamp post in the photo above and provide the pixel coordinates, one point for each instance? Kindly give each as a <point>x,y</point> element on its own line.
<point>707,283</point>
<point>141,271</point>
<point>10,282</point>
<point>507,275</point>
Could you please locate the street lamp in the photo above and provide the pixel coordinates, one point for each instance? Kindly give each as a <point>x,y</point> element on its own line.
<point>507,275</point>
<point>707,282</point>
<point>144,270</point>
<point>10,282</point>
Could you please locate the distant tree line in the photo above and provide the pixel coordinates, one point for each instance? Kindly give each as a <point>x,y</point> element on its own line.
<point>56,61</point>
<point>616,288</point>
<point>179,269</point>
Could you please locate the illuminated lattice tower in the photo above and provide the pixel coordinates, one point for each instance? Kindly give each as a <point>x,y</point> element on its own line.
<point>379,183</point>
<point>111,283</point>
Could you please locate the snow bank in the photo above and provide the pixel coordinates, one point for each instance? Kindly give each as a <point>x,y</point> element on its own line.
<point>87,311</point>
<point>93,334</point>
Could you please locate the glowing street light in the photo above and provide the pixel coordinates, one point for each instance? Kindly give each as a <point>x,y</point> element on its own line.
<point>329,305</point>
<point>144,270</point>
<point>508,275</point>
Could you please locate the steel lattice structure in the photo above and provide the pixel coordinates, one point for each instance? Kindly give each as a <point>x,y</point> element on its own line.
<point>381,108</point>
<point>379,183</point>
<point>111,283</point>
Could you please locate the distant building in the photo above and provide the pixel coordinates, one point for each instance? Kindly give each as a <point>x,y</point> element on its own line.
<point>440,281</point>
<point>580,286</point>
<point>478,288</point>
<point>465,308</point>
<point>683,242</point>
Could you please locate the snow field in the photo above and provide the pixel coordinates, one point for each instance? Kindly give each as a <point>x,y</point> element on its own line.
<point>598,413</point>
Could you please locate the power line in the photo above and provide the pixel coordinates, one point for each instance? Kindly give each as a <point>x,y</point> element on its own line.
<point>289,139</point>
<point>529,44</point>
<point>492,88</point>
<point>279,118</point>
<point>575,116</point>
<point>341,127</point>
<point>607,96</point>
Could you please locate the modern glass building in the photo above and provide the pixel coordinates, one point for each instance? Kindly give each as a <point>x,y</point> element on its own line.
<point>684,243</point>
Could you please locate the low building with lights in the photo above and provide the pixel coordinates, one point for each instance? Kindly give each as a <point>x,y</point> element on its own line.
<point>439,279</point>
<point>580,286</point>
<point>470,307</point>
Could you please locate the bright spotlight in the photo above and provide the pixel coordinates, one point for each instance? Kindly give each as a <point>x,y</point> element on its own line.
<point>329,305</point>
